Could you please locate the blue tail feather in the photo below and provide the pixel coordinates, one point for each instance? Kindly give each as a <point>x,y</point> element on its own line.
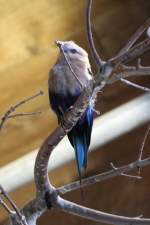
<point>80,137</point>
<point>80,151</point>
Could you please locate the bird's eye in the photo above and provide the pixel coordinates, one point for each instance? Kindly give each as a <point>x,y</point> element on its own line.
<point>73,51</point>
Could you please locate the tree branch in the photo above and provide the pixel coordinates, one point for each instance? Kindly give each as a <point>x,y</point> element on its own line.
<point>123,71</point>
<point>94,52</point>
<point>15,215</point>
<point>130,83</point>
<point>5,206</point>
<point>8,115</point>
<point>134,37</point>
<point>133,53</point>
<point>104,176</point>
<point>143,143</point>
<point>96,215</point>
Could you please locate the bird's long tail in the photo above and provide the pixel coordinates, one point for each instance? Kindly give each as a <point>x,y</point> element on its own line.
<point>80,137</point>
<point>81,148</point>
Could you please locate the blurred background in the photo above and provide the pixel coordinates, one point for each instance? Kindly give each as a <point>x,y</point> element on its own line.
<point>27,52</point>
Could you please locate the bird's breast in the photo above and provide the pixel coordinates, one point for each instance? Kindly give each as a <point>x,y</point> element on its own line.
<point>62,80</point>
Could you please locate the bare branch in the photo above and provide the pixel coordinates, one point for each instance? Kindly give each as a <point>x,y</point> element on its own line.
<point>96,215</point>
<point>133,53</point>
<point>23,115</point>
<point>125,174</point>
<point>13,108</point>
<point>134,37</point>
<point>143,142</point>
<point>94,52</point>
<point>34,209</point>
<point>2,192</point>
<point>104,176</point>
<point>15,208</point>
<point>133,84</point>
<point>5,206</point>
<point>123,71</point>
<point>131,176</point>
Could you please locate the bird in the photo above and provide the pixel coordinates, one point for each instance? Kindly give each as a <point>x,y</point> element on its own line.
<point>67,79</point>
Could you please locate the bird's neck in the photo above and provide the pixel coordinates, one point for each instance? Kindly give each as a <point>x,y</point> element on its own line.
<point>76,64</point>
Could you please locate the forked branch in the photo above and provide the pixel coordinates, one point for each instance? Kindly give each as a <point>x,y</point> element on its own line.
<point>123,71</point>
<point>12,109</point>
<point>15,214</point>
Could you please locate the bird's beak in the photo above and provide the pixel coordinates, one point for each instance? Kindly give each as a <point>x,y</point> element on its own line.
<point>58,43</point>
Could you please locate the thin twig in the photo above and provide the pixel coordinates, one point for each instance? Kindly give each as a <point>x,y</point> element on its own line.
<point>123,71</point>
<point>131,176</point>
<point>13,108</point>
<point>143,143</point>
<point>18,213</point>
<point>134,85</point>
<point>125,174</point>
<point>23,114</point>
<point>70,67</point>
<point>5,206</point>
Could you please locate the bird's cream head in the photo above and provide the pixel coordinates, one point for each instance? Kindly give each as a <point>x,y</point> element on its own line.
<point>72,51</point>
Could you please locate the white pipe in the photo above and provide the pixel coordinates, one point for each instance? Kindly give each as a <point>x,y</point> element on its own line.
<point>106,128</point>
